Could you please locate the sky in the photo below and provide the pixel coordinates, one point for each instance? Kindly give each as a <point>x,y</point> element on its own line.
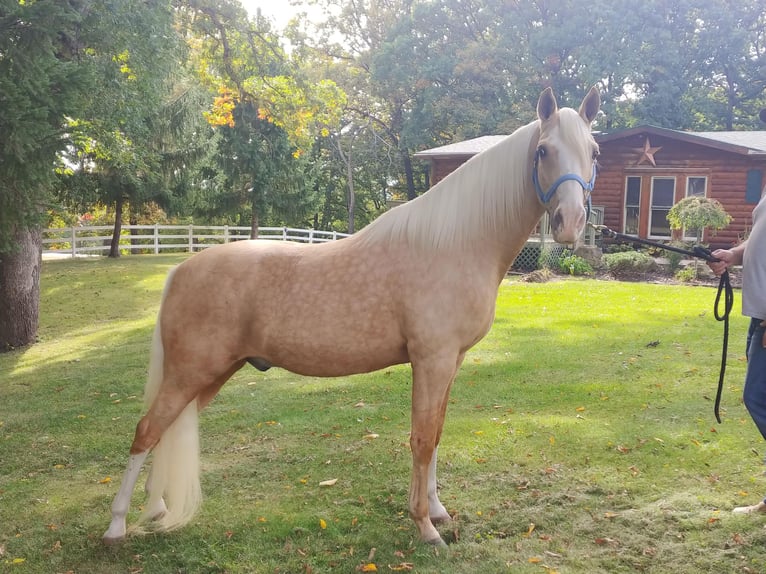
<point>280,11</point>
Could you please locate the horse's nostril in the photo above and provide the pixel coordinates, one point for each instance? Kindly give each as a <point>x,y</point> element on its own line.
<point>558,220</point>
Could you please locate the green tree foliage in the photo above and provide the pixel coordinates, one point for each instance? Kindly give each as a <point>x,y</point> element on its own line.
<point>41,82</point>
<point>267,112</point>
<point>118,140</point>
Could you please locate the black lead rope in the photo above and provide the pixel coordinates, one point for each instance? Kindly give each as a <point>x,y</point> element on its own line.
<point>724,290</point>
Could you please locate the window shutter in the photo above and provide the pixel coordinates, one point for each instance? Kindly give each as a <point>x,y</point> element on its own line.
<point>753,190</point>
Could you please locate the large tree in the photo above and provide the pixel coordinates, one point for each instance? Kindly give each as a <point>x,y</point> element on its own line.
<point>40,82</point>
<point>55,56</point>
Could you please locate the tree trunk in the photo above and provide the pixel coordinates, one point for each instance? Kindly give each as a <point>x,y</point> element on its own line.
<point>351,192</point>
<point>114,247</point>
<point>254,219</point>
<point>134,236</point>
<point>20,291</point>
<point>408,173</point>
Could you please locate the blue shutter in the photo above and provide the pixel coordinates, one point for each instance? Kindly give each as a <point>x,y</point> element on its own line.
<point>753,189</point>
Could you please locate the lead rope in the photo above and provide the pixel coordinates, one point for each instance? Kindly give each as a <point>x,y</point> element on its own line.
<point>724,289</point>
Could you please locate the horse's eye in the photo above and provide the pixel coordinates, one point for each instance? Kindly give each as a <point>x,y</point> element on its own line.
<point>541,151</point>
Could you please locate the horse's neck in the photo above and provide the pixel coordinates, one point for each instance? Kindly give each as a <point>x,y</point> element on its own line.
<point>510,241</point>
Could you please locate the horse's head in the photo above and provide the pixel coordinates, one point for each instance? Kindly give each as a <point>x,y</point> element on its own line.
<point>565,163</point>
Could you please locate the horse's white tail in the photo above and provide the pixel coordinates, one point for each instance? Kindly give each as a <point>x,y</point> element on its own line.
<point>173,485</point>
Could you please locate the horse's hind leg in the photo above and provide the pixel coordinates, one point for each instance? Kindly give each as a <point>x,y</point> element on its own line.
<point>170,402</point>
<point>148,432</point>
<point>121,503</point>
<point>436,511</point>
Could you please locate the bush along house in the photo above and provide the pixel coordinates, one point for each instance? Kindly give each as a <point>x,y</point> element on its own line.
<point>644,171</point>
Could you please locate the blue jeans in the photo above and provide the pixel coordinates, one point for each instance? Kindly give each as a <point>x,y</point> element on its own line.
<point>755,381</point>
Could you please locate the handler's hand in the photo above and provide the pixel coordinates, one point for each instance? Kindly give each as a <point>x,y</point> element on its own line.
<point>725,258</point>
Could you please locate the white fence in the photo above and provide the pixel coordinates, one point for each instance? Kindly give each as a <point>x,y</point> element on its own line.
<point>95,239</point>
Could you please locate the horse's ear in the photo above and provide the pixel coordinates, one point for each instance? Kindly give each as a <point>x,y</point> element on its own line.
<point>546,105</point>
<point>590,105</point>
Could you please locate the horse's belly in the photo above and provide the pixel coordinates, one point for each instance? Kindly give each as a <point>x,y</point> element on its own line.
<point>337,358</point>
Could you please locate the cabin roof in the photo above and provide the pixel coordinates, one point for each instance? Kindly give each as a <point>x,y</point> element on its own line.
<point>739,142</point>
<point>466,148</point>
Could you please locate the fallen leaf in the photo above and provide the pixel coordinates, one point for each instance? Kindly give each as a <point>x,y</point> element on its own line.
<point>369,568</point>
<point>552,440</point>
<point>607,541</point>
<point>610,515</point>
<point>371,436</point>
<point>330,482</point>
<point>580,409</point>
<point>322,523</point>
<point>18,561</point>
<point>105,480</point>
<point>401,567</point>
<point>534,560</point>
<point>530,529</point>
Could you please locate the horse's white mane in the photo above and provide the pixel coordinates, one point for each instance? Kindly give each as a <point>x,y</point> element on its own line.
<point>482,194</point>
<point>486,194</point>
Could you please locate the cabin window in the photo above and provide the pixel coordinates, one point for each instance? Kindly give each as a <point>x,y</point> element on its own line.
<point>662,199</point>
<point>753,189</point>
<point>632,204</point>
<point>696,186</point>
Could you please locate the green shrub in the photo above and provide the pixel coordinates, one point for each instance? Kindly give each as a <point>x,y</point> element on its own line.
<point>686,275</point>
<point>628,262</point>
<point>674,258</point>
<point>574,265</point>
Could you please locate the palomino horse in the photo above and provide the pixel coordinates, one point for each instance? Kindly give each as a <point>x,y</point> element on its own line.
<point>418,285</point>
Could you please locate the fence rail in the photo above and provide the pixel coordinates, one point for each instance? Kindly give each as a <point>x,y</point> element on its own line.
<point>96,239</point>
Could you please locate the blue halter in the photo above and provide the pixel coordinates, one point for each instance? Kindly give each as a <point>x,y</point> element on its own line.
<point>545,197</point>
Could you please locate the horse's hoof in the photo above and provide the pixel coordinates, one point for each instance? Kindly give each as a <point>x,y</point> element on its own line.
<point>112,540</point>
<point>438,542</point>
<point>440,518</point>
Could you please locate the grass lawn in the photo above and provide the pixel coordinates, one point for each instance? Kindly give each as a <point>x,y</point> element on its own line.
<point>571,445</point>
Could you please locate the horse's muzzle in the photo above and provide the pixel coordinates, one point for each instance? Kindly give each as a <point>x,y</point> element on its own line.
<point>566,226</point>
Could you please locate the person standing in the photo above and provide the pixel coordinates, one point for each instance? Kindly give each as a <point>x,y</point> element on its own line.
<point>751,254</point>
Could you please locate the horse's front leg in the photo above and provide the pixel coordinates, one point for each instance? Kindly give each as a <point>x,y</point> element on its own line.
<point>431,383</point>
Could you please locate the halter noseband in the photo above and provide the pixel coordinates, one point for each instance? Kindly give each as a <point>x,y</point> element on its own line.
<point>545,197</point>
